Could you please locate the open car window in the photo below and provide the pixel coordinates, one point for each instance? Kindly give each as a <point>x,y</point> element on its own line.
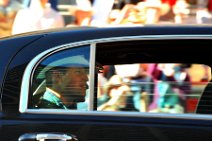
<point>160,76</point>
<point>152,87</point>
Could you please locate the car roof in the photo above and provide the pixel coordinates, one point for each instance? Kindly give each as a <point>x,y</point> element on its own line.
<point>116,31</point>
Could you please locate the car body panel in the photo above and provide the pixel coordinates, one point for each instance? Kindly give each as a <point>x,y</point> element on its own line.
<point>9,50</point>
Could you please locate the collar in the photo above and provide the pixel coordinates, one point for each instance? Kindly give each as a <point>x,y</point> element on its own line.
<point>53,92</point>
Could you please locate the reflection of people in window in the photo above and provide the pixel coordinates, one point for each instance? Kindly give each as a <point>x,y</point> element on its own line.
<point>64,87</point>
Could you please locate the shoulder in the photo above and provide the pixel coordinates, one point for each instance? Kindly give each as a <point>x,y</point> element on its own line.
<point>47,104</point>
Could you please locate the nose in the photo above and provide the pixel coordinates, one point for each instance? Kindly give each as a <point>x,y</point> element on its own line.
<point>84,76</point>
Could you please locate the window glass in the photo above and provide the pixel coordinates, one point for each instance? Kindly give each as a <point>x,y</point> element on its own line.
<point>127,78</point>
<point>60,81</point>
<point>152,87</point>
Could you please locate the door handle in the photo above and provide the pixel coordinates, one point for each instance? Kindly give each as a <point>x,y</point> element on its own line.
<point>47,136</point>
<point>53,136</point>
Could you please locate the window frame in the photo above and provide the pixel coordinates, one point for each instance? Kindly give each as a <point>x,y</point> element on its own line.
<point>26,81</point>
<point>29,71</point>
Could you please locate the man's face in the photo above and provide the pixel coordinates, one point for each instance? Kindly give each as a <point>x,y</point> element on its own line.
<point>74,84</point>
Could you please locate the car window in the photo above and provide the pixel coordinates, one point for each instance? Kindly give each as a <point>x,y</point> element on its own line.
<point>152,87</point>
<point>129,76</point>
<point>60,81</point>
<point>160,76</point>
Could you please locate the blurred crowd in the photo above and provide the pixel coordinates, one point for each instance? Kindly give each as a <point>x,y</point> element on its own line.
<point>158,88</point>
<point>17,17</point>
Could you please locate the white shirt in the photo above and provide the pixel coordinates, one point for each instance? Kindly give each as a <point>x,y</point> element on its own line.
<point>101,9</point>
<point>33,19</point>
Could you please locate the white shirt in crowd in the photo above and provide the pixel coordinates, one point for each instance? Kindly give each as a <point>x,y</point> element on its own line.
<point>37,18</point>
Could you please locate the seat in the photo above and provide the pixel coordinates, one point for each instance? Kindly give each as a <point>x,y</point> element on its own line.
<point>205,102</point>
<point>38,93</point>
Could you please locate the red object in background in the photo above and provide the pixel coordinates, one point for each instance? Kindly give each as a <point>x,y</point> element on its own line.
<point>171,2</point>
<point>210,5</point>
<point>191,105</point>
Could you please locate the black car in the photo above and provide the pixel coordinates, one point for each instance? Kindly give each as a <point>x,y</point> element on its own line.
<point>148,83</point>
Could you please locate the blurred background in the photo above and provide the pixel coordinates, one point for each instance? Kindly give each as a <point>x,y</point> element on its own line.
<point>19,16</point>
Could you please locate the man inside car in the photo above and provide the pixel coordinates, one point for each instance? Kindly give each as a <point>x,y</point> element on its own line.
<point>65,86</point>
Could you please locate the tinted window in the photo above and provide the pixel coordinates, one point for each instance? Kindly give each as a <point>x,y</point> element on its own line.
<point>60,81</point>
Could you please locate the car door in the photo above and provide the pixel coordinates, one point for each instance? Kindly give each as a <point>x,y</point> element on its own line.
<point>94,118</point>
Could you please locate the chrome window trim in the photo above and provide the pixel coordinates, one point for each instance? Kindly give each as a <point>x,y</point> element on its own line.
<point>28,71</point>
<point>92,75</point>
<point>120,114</point>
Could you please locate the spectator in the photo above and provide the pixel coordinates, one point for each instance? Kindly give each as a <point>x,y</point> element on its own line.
<point>130,14</point>
<point>146,12</point>
<point>83,12</point>
<point>94,13</point>
<point>142,87</point>
<point>203,14</point>
<point>181,11</point>
<point>172,85</point>
<point>117,92</point>
<point>38,16</point>
<point>8,10</point>
<point>153,11</point>
<point>101,11</point>
<point>140,84</point>
<point>156,11</point>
